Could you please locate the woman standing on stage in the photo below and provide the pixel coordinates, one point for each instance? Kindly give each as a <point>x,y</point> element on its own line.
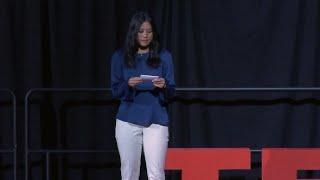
<point>142,119</point>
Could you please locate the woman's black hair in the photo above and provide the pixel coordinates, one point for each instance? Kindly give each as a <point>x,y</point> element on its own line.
<point>131,45</point>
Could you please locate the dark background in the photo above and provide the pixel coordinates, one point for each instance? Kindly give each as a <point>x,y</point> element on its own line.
<point>217,43</point>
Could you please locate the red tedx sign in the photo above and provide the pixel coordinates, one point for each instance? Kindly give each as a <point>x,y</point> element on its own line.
<point>205,163</point>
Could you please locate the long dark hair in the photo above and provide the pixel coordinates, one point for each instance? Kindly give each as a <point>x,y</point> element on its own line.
<point>131,45</point>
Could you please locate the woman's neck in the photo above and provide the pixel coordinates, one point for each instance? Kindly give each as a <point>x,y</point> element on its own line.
<point>142,51</point>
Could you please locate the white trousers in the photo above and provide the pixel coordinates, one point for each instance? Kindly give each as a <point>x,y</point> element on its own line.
<point>130,139</point>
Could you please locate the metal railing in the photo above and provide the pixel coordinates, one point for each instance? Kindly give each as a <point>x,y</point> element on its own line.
<point>48,152</point>
<point>13,148</point>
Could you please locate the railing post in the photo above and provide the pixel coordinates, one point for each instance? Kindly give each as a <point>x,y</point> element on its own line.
<point>13,149</point>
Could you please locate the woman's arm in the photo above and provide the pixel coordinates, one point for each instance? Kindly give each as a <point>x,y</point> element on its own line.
<point>119,86</point>
<point>168,90</point>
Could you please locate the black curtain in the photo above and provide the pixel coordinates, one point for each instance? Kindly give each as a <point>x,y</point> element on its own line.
<point>217,43</point>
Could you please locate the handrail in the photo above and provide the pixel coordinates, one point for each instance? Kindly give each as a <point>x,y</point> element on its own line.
<point>179,89</point>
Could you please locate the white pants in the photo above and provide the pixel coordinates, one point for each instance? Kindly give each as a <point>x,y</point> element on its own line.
<point>130,139</point>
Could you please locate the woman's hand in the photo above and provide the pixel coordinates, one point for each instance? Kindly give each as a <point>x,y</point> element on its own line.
<point>159,82</point>
<point>133,81</point>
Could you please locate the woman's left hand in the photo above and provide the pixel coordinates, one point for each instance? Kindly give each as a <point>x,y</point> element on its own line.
<point>159,82</point>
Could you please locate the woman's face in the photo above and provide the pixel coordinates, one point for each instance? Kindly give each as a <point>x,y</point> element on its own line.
<point>145,34</point>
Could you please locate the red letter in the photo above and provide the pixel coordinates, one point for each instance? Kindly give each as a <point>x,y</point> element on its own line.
<point>204,164</point>
<point>284,163</point>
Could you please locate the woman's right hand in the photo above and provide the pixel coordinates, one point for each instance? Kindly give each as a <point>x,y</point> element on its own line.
<point>133,81</point>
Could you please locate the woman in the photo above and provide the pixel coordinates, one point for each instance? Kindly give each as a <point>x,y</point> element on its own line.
<point>142,119</point>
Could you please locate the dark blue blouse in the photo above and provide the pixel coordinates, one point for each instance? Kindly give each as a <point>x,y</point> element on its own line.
<point>144,104</point>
